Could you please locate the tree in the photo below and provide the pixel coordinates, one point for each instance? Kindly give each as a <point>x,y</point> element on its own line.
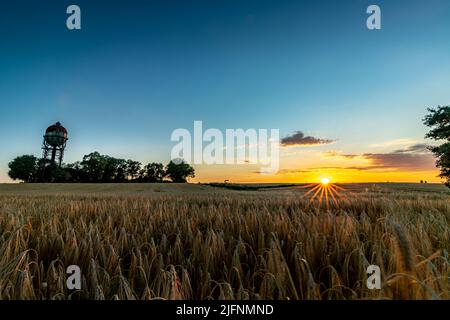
<point>51,172</point>
<point>111,169</point>
<point>93,166</point>
<point>439,121</point>
<point>121,174</point>
<point>76,172</point>
<point>153,172</point>
<point>180,171</point>
<point>61,174</point>
<point>133,168</point>
<point>24,168</point>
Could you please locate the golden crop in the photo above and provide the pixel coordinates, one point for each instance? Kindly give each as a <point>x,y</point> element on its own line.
<point>223,244</point>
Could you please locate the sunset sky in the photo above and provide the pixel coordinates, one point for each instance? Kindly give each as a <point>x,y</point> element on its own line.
<point>348,101</point>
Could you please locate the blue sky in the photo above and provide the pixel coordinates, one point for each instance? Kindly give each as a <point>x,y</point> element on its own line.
<point>140,69</point>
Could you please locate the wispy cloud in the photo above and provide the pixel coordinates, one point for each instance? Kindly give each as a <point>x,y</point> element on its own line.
<point>420,148</point>
<point>298,138</point>
<point>339,154</point>
<point>393,143</point>
<point>293,171</point>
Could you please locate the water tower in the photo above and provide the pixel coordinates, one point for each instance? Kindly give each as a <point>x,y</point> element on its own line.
<point>55,140</point>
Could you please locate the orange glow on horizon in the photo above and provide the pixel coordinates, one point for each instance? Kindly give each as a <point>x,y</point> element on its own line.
<point>247,174</point>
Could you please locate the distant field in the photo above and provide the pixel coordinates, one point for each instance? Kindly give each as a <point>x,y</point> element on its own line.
<point>122,188</point>
<point>149,188</point>
<point>193,241</point>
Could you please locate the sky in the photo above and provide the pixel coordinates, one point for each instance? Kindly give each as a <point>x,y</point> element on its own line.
<point>348,101</point>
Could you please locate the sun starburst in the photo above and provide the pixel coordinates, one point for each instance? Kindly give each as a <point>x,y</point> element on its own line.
<point>324,192</point>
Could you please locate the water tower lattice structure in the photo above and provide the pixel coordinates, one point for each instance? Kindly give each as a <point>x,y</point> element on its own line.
<point>55,140</point>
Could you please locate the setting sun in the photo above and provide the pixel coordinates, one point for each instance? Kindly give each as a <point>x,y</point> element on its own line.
<point>325,181</point>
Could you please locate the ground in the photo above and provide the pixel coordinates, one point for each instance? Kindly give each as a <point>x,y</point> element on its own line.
<point>195,241</point>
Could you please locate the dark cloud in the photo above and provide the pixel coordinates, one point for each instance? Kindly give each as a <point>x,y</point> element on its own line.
<point>417,148</point>
<point>414,158</point>
<point>298,138</point>
<point>402,160</point>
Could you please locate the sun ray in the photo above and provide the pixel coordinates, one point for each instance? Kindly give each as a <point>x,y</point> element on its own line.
<point>325,192</point>
<point>307,186</point>
<point>317,190</point>
<point>333,197</point>
<point>322,189</point>
<point>326,197</point>
<point>313,189</point>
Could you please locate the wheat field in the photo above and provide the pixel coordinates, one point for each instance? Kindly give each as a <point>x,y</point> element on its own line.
<point>199,242</point>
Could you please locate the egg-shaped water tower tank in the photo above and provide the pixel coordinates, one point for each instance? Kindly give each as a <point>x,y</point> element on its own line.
<point>55,140</point>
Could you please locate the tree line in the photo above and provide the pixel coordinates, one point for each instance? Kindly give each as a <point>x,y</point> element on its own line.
<point>98,168</point>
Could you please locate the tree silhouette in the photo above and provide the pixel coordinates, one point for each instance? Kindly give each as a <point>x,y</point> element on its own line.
<point>25,168</point>
<point>76,172</point>
<point>439,121</point>
<point>132,169</point>
<point>93,165</point>
<point>97,168</point>
<point>153,172</point>
<point>180,171</point>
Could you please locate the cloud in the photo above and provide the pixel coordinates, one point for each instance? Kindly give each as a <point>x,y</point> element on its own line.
<point>401,161</point>
<point>397,142</point>
<point>415,157</point>
<point>298,138</point>
<point>293,171</point>
<point>412,158</point>
<point>417,148</point>
<point>339,154</point>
